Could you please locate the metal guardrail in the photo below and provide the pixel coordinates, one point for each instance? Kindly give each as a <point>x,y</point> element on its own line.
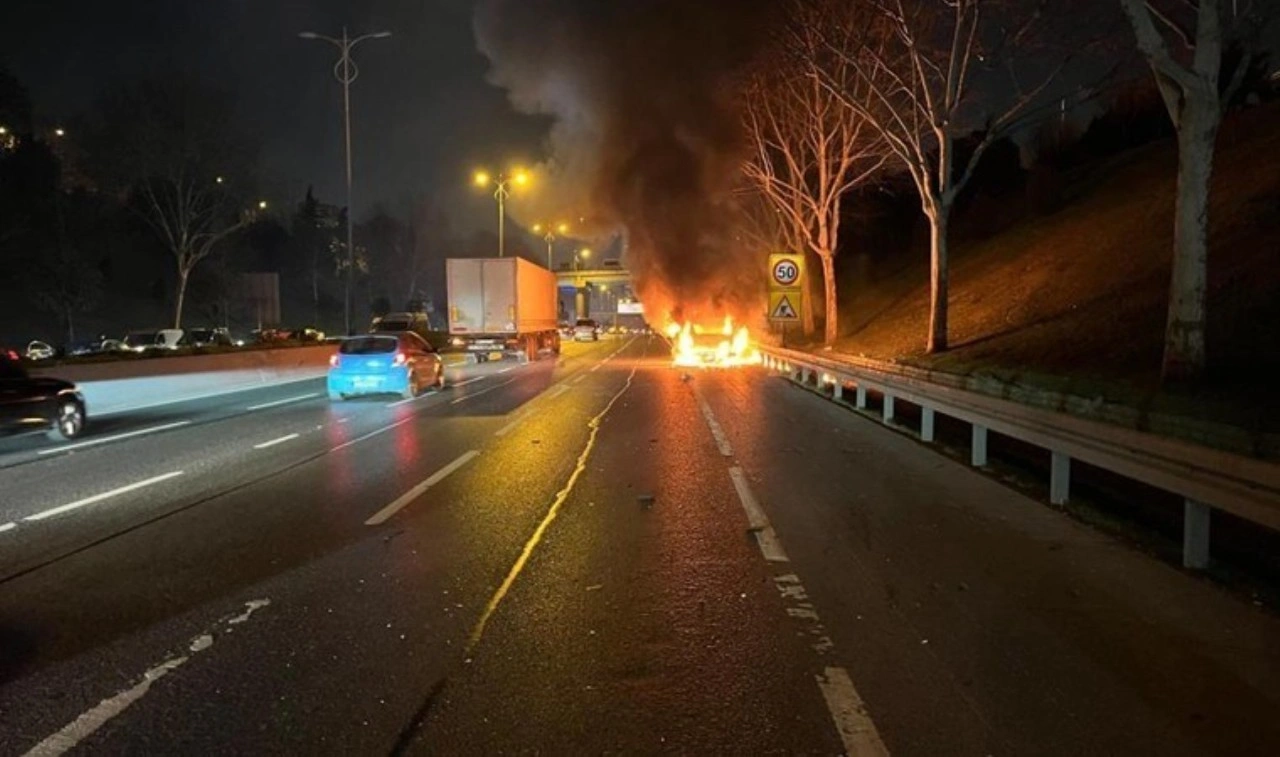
<point>1206,478</point>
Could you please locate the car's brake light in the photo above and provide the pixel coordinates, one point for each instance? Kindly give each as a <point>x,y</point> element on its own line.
<point>400,359</point>
<point>333,360</point>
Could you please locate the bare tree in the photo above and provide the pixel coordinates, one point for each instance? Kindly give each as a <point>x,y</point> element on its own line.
<point>808,148</point>
<point>1186,43</point>
<point>928,73</point>
<point>170,146</point>
<point>65,284</point>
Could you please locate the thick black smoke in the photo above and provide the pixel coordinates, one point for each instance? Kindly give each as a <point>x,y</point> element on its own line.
<point>647,126</point>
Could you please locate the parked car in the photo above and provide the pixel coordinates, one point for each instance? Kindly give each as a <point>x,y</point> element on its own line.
<point>98,346</point>
<point>402,363</point>
<point>586,330</point>
<point>28,403</point>
<point>215,337</point>
<point>307,334</point>
<point>159,339</point>
<point>37,350</point>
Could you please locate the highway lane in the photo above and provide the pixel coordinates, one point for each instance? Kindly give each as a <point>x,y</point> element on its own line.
<point>977,621</point>
<point>146,579</point>
<point>575,559</point>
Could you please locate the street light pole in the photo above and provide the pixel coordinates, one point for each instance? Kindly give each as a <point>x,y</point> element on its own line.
<point>550,238</point>
<point>501,193</point>
<point>346,71</point>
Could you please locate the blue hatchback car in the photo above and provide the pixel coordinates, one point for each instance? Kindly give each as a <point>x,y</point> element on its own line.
<point>400,363</point>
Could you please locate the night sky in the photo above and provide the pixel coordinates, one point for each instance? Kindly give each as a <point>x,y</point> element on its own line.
<point>423,112</point>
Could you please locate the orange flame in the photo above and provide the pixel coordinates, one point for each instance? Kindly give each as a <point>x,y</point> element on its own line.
<point>732,350</point>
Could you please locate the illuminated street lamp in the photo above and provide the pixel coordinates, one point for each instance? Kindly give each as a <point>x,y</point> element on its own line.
<point>262,204</point>
<point>59,132</point>
<point>549,232</point>
<point>346,71</point>
<point>581,256</point>
<point>501,193</point>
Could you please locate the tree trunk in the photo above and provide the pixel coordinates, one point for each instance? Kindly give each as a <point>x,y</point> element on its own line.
<point>831,329</point>
<point>808,323</point>
<point>182,294</point>
<point>1184,341</point>
<point>939,220</point>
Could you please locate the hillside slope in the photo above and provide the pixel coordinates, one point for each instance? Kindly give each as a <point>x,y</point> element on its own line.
<point>1078,298</point>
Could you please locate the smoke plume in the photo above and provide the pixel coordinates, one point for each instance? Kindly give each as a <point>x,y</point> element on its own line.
<point>647,135</point>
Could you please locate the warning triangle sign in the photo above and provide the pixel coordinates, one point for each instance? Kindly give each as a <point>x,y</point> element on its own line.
<point>784,310</point>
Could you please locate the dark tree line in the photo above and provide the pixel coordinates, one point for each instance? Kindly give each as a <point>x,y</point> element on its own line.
<point>150,201</point>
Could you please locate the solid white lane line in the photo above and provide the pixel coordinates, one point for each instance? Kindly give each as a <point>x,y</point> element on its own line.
<point>372,434</point>
<point>755,515</point>
<point>206,396</point>
<point>559,390</point>
<point>7,527</point>
<point>722,442</point>
<point>91,720</point>
<point>857,731</point>
<point>473,395</point>
<point>468,381</point>
<point>505,370</point>
<point>382,515</point>
<point>99,497</point>
<point>595,367</point>
<point>285,401</point>
<point>116,437</point>
<point>580,379</point>
<point>274,442</point>
<point>561,496</point>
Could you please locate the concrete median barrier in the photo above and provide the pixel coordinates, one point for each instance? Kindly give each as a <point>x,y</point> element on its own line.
<point>125,385</point>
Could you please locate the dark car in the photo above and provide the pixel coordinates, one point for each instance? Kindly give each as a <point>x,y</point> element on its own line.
<point>28,402</point>
<point>215,337</point>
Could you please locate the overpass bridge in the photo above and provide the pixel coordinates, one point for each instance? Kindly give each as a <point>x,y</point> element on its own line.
<point>594,293</point>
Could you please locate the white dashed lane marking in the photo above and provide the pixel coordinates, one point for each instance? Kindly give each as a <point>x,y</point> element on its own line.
<point>274,442</point>
<point>404,499</point>
<point>100,497</point>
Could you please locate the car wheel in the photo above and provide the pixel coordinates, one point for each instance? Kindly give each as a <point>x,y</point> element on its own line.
<point>69,422</point>
<point>440,377</point>
<point>336,396</point>
<point>410,387</point>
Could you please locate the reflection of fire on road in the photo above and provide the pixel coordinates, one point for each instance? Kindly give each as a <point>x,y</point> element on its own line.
<point>695,347</point>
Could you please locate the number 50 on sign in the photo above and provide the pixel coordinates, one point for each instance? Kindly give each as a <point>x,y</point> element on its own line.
<point>785,271</point>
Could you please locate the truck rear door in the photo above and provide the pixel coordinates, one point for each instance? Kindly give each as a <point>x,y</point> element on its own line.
<point>500,296</point>
<point>466,297</point>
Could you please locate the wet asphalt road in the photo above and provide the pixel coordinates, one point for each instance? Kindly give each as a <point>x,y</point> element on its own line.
<point>591,555</point>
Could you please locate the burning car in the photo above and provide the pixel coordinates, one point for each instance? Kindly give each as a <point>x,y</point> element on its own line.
<point>693,346</point>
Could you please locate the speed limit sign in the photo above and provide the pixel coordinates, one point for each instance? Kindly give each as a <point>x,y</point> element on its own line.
<point>785,271</point>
